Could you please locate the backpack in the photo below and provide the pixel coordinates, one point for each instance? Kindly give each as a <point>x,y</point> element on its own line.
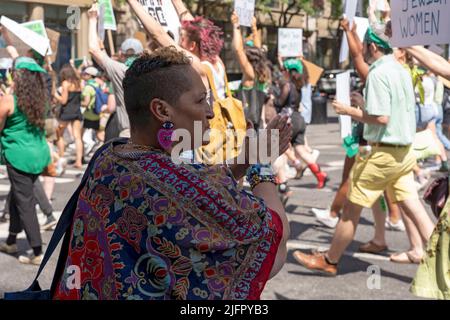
<point>101,99</point>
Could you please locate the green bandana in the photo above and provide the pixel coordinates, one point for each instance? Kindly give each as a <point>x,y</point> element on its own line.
<point>372,37</point>
<point>294,64</point>
<point>28,64</point>
<point>130,61</point>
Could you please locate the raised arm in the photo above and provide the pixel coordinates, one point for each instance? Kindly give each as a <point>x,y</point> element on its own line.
<point>431,60</point>
<point>256,35</point>
<point>12,51</point>
<point>94,47</point>
<point>160,36</point>
<point>355,47</point>
<point>182,11</point>
<point>238,47</point>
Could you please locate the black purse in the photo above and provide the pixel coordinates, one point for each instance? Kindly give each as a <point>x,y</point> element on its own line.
<point>436,195</point>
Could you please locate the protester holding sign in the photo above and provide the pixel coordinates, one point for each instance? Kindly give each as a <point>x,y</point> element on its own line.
<point>256,76</point>
<point>118,123</point>
<point>390,129</point>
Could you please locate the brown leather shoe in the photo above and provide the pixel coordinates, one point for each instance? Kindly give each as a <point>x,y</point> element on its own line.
<point>372,247</point>
<point>316,262</point>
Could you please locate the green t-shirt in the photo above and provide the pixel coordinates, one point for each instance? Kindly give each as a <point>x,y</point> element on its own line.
<point>23,145</point>
<point>389,92</point>
<point>89,91</point>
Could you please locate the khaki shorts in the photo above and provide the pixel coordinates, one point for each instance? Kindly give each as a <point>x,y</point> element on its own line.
<point>50,129</point>
<point>386,169</point>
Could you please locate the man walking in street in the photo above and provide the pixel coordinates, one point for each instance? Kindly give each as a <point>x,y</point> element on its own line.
<point>387,164</point>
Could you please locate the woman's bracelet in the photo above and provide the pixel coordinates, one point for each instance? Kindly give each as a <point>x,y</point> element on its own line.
<point>260,173</point>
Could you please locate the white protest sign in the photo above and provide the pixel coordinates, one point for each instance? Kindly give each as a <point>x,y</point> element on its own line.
<point>362,24</point>
<point>290,42</point>
<point>343,96</point>
<point>109,20</point>
<point>32,39</point>
<point>350,11</point>
<point>379,5</point>
<point>245,9</point>
<point>101,23</point>
<point>420,22</point>
<point>164,12</point>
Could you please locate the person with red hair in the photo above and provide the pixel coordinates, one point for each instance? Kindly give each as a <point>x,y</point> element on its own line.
<point>200,39</point>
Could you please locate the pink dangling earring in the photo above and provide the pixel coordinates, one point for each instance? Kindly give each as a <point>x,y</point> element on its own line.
<point>165,135</point>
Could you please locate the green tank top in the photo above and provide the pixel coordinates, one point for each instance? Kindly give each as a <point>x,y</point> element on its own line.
<point>23,145</point>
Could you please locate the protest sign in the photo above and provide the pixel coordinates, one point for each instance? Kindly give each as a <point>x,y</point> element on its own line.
<point>53,37</point>
<point>290,42</point>
<point>245,9</point>
<point>420,22</point>
<point>101,23</point>
<point>109,20</point>
<point>362,24</point>
<point>38,27</point>
<point>314,71</point>
<point>164,12</point>
<point>343,96</point>
<point>350,11</point>
<point>32,39</point>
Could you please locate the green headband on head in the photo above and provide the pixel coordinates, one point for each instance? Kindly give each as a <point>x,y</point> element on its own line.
<point>294,64</point>
<point>28,64</point>
<point>372,37</point>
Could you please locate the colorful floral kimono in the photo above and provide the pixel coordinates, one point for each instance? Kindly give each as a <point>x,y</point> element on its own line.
<point>146,228</point>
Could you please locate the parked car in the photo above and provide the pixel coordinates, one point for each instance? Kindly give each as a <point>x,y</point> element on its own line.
<point>327,83</point>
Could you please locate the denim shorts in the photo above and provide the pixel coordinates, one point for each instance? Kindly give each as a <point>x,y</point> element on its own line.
<point>425,114</point>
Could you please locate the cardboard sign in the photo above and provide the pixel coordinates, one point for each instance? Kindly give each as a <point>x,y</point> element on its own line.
<point>245,10</point>
<point>314,71</point>
<point>290,42</point>
<point>53,36</point>
<point>109,20</point>
<point>343,96</point>
<point>420,22</point>
<point>350,11</point>
<point>32,39</point>
<point>142,37</point>
<point>164,12</point>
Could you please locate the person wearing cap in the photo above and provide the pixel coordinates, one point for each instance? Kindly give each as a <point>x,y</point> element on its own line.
<point>118,123</point>
<point>388,163</point>
<point>88,96</point>
<point>25,152</point>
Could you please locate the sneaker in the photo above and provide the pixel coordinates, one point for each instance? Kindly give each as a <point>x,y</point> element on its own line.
<point>10,249</point>
<point>61,165</point>
<point>31,259</point>
<point>324,217</point>
<point>316,262</point>
<point>49,223</point>
<point>399,226</point>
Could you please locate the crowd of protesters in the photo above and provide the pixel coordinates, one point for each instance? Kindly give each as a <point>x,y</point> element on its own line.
<point>52,121</point>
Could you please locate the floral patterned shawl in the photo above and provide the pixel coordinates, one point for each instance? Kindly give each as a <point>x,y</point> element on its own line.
<point>146,228</point>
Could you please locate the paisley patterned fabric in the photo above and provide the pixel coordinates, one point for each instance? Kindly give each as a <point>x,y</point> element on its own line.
<point>146,228</point>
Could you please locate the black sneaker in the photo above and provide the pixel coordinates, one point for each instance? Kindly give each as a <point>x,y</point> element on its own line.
<point>49,223</point>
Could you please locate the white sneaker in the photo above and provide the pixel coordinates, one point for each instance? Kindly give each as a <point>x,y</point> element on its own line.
<point>31,259</point>
<point>315,154</point>
<point>399,226</point>
<point>323,216</point>
<point>61,165</point>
